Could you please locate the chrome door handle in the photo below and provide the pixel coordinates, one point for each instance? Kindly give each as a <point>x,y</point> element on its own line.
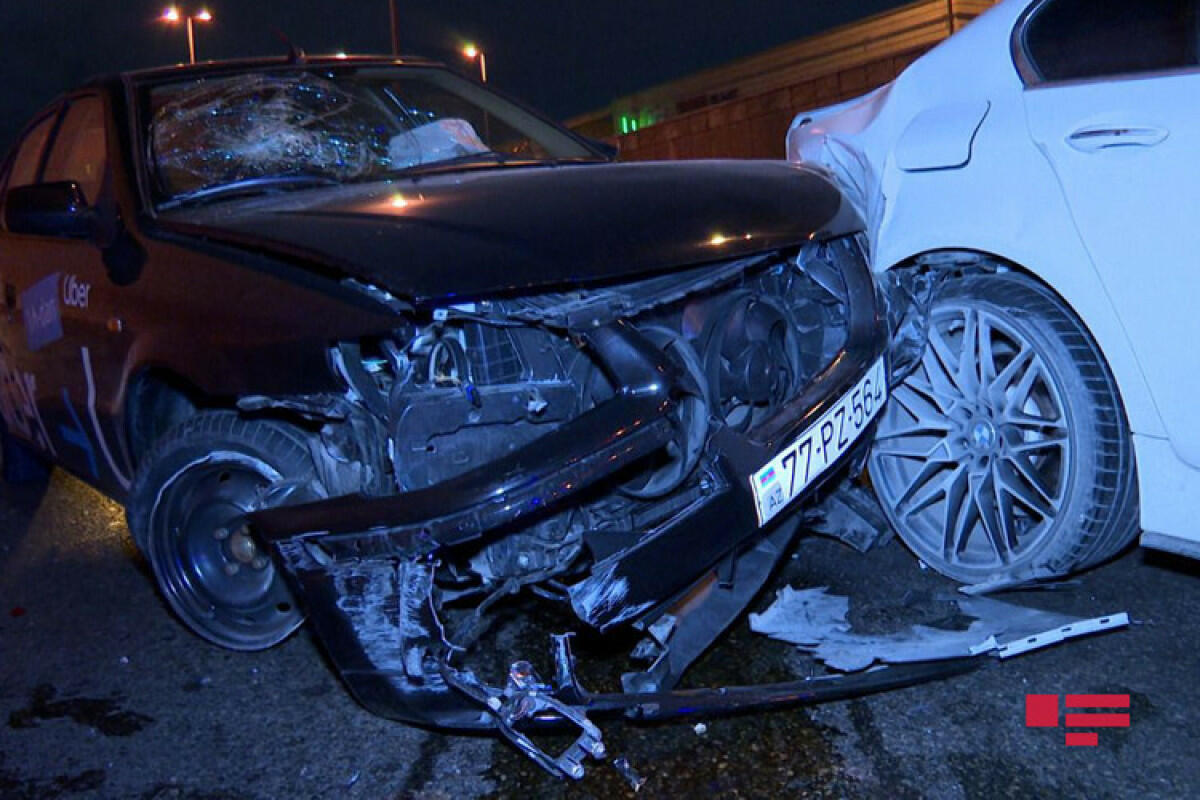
<point>1089,140</point>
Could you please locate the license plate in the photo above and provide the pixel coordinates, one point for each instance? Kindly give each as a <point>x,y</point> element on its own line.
<point>788,474</point>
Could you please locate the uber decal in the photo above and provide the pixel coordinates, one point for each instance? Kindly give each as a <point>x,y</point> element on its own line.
<point>39,307</point>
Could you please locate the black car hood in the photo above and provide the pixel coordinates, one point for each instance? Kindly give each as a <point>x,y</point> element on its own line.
<point>505,229</point>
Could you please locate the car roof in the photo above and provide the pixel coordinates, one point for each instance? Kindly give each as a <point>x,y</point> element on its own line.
<point>207,68</point>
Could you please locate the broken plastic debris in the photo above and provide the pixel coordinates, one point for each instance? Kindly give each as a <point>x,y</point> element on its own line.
<point>853,516</point>
<point>700,728</point>
<point>1039,577</point>
<point>197,684</point>
<point>816,622</point>
<point>1047,638</point>
<point>622,765</point>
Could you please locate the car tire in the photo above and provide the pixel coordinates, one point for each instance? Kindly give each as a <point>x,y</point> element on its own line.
<point>1005,456</point>
<point>187,513</point>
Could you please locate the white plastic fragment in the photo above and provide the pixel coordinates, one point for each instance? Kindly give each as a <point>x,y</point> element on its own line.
<point>1075,629</point>
<point>986,646</point>
<point>816,622</point>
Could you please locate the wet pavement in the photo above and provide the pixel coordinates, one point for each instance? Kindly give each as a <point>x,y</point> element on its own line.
<point>103,694</point>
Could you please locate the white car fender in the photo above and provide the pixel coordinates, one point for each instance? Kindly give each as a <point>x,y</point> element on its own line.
<point>1007,203</point>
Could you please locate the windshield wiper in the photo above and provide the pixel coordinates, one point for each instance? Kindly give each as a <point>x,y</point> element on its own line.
<point>251,186</point>
<point>484,158</point>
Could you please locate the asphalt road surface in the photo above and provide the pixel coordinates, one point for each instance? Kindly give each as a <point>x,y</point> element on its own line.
<point>104,694</point>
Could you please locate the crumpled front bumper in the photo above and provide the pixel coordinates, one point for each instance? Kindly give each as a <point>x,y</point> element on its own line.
<point>363,564</point>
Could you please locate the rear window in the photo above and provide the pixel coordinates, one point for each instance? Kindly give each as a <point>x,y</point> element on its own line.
<point>1080,39</point>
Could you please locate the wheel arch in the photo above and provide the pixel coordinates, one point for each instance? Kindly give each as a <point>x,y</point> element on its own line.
<point>156,400</point>
<point>1098,316</point>
<point>1086,299</point>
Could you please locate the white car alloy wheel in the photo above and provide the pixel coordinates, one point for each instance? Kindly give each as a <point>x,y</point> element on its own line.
<point>1005,455</point>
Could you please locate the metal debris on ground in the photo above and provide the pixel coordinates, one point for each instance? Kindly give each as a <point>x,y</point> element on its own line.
<point>622,765</point>
<point>817,623</point>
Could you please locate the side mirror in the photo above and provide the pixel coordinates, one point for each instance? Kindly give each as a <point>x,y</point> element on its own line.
<point>48,209</point>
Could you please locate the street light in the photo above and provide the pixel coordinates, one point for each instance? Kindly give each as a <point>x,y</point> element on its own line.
<point>171,15</point>
<point>471,52</point>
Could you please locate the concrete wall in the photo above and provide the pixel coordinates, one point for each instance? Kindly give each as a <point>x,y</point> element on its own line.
<point>743,109</point>
<point>754,127</point>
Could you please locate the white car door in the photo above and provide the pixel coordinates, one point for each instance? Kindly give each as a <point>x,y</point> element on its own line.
<point>1113,101</point>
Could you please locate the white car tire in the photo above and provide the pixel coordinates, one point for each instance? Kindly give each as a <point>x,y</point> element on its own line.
<point>1006,456</point>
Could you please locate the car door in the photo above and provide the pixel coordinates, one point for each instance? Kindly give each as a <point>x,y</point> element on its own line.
<point>66,305</point>
<point>18,384</point>
<point>1111,101</point>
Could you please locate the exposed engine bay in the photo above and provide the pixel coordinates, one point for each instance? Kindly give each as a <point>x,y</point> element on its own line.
<point>489,378</point>
<point>595,448</point>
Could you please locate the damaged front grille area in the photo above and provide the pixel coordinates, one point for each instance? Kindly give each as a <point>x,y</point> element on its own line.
<point>590,448</point>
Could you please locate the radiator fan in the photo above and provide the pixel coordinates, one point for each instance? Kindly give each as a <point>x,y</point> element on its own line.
<point>751,360</point>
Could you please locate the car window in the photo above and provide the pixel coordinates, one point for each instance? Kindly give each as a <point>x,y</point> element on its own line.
<point>1077,39</point>
<point>78,153</point>
<point>29,154</point>
<point>211,136</point>
<point>426,102</point>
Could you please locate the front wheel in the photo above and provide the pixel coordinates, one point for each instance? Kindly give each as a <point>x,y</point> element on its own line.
<point>187,512</point>
<point>1006,455</point>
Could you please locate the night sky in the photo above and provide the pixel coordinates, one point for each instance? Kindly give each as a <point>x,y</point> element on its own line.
<point>562,56</point>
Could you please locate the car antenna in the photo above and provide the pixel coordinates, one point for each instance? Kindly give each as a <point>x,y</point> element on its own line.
<point>295,54</point>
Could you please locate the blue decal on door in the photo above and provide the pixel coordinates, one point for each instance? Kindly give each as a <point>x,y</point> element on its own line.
<point>39,307</point>
<point>77,436</point>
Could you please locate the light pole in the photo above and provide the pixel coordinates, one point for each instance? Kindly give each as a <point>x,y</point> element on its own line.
<point>393,19</point>
<point>471,52</point>
<point>172,16</point>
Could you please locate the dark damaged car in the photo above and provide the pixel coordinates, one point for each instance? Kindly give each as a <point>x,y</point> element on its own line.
<point>362,342</point>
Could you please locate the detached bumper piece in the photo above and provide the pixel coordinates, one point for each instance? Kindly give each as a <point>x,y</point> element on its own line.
<point>529,702</point>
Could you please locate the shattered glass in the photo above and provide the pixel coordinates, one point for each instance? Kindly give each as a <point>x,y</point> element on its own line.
<point>220,131</point>
<point>303,126</point>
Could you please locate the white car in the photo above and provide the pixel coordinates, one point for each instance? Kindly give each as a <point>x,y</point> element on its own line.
<point>1040,170</point>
